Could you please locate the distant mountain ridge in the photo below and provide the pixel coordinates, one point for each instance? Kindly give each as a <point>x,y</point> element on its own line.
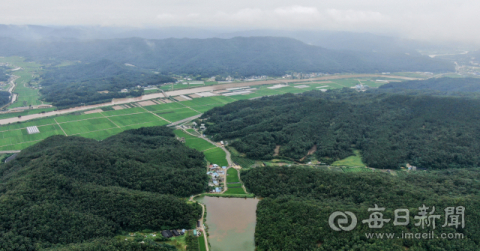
<point>239,56</point>
<point>336,40</point>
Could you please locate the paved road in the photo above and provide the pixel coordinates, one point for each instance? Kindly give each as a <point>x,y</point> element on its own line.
<point>188,91</point>
<point>201,228</point>
<point>12,151</point>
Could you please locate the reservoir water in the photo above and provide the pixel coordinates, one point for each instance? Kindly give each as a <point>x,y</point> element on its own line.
<point>231,223</point>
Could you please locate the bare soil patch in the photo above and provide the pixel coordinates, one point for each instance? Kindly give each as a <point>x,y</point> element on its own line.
<point>277,150</point>
<point>310,152</point>
<point>146,103</point>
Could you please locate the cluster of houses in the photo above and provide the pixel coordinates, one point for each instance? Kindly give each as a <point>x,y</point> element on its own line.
<point>411,168</point>
<point>217,176</point>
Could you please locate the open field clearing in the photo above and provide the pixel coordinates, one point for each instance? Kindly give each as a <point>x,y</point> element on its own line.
<point>352,161</point>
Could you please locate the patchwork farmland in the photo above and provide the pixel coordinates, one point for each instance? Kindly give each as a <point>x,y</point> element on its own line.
<point>108,122</point>
<point>103,124</point>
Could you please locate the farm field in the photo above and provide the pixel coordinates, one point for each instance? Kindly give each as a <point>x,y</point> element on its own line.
<point>213,154</point>
<point>107,123</point>
<point>232,175</point>
<point>26,95</point>
<point>217,156</point>
<point>194,142</point>
<point>235,190</point>
<point>96,126</point>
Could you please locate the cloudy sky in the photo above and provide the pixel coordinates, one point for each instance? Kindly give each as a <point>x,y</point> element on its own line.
<point>418,19</point>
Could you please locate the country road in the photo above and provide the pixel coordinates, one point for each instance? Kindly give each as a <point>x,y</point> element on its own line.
<point>201,228</point>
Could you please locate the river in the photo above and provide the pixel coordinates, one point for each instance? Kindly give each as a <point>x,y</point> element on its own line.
<point>231,223</point>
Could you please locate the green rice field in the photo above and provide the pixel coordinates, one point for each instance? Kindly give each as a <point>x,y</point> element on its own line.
<point>213,153</point>
<point>232,175</point>
<point>234,190</point>
<point>107,123</point>
<point>216,156</point>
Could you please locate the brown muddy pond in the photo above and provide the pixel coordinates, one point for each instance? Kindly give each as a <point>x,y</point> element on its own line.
<point>231,223</point>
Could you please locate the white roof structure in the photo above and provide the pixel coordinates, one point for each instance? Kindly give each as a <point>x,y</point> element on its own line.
<point>32,130</point>
<point>236,93</point>
<point>206,94</point>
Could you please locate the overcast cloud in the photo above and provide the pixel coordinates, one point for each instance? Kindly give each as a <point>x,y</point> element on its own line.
<point>417,19</point>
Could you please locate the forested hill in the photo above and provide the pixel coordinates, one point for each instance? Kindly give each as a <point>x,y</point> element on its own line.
<point>298,202</point>
<point>70,189</point>
<point>240,56</point>
<point>390,130</point>
<point>86,83</point>
<point>436,86</point>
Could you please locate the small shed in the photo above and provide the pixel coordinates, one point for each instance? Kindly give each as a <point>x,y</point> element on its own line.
<point>167,234</point>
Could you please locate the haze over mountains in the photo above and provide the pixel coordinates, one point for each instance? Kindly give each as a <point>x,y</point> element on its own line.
<point>337,40</point>
<point>266,53</point>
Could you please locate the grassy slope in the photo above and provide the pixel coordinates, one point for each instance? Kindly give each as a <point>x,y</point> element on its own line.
<point>352,161</point>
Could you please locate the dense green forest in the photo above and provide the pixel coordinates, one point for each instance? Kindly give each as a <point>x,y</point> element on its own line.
<point>239,56</point>
<point>82,83</point>
<point>390,130</point>
<point>3,74</point>
<point>298,202</point>
<point>104,244</point>
<point>67,190</point>
<point>464,87</point>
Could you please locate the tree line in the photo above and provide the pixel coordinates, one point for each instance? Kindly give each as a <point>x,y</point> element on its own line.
<point>298,202</point>
<point>97,82</point>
